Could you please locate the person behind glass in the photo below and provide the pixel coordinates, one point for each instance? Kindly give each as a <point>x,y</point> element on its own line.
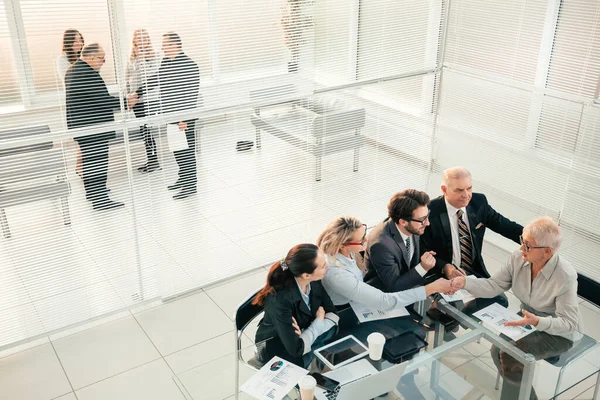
<point>341,242</point>
<point>546,285</point>
<point>88,104</point>
<point>72,44</point>
<point>143,63</point>
<point>299,315</point>
<point>393,256</point>
<point>178,80</point>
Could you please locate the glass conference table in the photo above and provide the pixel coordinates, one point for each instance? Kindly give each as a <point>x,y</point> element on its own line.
<point>455,365</point>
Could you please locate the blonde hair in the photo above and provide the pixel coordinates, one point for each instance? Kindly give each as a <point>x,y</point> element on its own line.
<point>337,232</point>
<point>144,33</point>
<point>545,232</point>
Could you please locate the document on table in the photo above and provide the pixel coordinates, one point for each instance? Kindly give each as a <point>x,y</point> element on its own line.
<point>494,316</point>
<point>366,314</point>
<point>176,138</point>
<point>274,381</point>
<point>461,294</point>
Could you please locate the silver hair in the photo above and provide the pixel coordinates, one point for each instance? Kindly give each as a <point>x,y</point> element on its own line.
<point>454,173</point>
<point>91,50</point>
<point>545,231</point>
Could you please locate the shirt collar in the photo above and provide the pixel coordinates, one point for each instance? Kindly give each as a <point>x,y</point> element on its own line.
<point>402,235</point>
<point>305,295</point>
<point>550,266</point>
<point>343,260</point>
<point>452,210</point>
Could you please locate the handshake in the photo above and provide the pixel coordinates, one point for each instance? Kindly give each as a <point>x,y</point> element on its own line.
<point>443,285</point>
<point>132,100</point>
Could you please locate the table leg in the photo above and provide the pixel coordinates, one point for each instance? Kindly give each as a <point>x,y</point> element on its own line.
<point>596,391</point>
<point>527,380</point>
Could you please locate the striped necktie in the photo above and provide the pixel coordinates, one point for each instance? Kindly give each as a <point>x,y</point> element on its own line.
<point>407,242</point>
<point>466,246</point>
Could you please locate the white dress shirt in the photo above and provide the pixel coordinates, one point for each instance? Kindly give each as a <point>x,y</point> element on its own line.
<point>411,251</point>
<point>454,230</point>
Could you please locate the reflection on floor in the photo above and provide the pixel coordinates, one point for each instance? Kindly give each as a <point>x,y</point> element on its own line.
<point>250,208</point>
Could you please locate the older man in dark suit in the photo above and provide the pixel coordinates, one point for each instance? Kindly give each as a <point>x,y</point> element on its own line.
<point>458,221</point>
<point>89,103</point>
<point>393,255</point>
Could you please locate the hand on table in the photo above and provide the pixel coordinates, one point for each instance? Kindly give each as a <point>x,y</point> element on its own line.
<point>132,100</point>
<point>182,126</point>
<point>528,319</point>
<point>453,272</point>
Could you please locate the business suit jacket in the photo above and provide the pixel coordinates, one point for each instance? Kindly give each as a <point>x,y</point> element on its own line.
<point>88,101</point>
<point>179,82</point>
<point>438,237</point>
<point>280,307</point>
<point>389,268</point>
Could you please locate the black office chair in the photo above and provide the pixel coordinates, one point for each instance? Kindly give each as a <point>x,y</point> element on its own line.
<point>244,314</point>
<point>587,288</point>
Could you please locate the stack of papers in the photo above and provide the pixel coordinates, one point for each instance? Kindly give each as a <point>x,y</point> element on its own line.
<point>461,294</point>
<point>366,314</point>
<point>274,381</point>
<point>494,316</point>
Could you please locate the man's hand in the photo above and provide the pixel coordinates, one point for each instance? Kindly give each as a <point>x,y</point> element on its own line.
<point>441,285</point>
<point>450,271</point>
<point>296,327</point>
<point>182,126</point>
<point>528,319</point>
<point>458,283</point>
<point>321,313</point>
<point>428,260</point>
<point>132,100</point>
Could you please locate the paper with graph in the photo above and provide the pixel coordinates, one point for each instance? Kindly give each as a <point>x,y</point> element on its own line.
<point>459,295</point>
<point>494,316</point>
<point>366,314</point>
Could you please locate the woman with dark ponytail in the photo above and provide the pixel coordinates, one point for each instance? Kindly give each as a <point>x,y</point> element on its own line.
<point>299,315</point>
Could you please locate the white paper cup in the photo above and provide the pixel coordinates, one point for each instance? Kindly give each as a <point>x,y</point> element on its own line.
<point>376,342</point>
<point>307,387</point>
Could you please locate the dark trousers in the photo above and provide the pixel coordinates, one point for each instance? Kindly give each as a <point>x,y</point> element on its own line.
<point>186,159</point>
<point>149,143</point>
<point>539,344</point>
<point>94,160</point>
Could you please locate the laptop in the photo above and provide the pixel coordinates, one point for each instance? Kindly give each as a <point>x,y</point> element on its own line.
<point>360,381</point>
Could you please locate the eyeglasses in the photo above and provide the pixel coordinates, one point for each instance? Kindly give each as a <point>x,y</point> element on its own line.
<point>362,241</point>
<point>421,221</point>
<point>528,247</point>
<point>100,58</point>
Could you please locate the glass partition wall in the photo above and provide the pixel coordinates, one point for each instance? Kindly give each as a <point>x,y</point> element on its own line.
<point>306,110</point>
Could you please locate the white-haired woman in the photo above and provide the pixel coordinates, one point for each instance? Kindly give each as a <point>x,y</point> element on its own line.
<point>546,285</point>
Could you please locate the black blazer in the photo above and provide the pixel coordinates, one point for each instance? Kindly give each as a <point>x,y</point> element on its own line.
<point>389,268</point>
<point>280,307</point>
<point>179,83</point>
<point>438,237</point>
<point>88,101</point>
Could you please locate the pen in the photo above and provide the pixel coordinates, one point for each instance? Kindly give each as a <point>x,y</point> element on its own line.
<point>422,324</point>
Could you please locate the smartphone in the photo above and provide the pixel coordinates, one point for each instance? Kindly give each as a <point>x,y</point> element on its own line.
<point>324,382</point>
<point>437,315</point>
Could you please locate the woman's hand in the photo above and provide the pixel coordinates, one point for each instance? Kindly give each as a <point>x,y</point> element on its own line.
<point>321,313</point>
<point>441,285</point>
<point>296,327</point>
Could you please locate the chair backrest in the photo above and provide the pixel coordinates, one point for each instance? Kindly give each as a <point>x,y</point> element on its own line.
<point>246,312</point>
<point>20,133</point>
<point>588,289</point>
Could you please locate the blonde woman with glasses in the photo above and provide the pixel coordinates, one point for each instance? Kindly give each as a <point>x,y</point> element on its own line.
<point>342,241</point>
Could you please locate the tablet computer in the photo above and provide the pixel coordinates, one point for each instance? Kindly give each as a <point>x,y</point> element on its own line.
<point>341,352</point>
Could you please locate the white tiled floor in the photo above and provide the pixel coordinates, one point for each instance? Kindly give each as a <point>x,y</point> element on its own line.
<point>134,355</point>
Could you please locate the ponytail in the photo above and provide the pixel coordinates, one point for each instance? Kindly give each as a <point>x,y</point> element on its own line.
<point>278,278</point>
<point>300,259</point>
